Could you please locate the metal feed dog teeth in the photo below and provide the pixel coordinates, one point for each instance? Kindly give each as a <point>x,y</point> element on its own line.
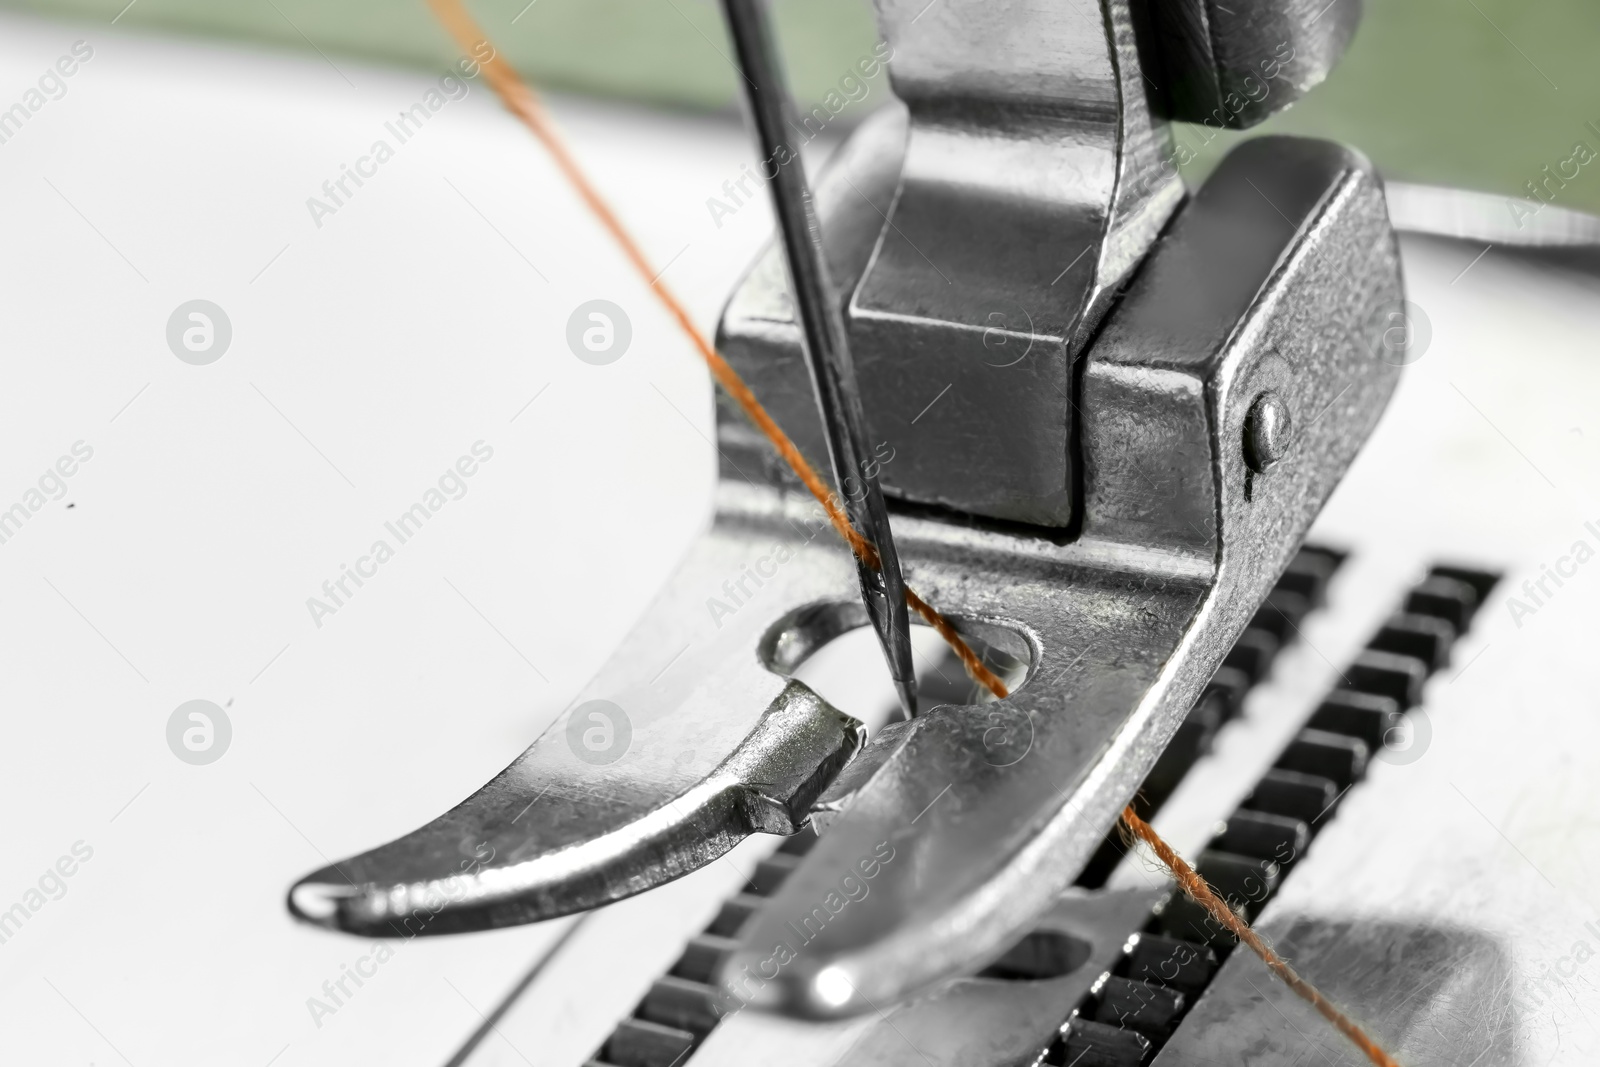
<point>1115,409</point>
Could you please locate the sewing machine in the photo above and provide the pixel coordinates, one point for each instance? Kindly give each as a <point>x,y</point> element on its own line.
<point>1148,397</point>
<point>1265,499</point>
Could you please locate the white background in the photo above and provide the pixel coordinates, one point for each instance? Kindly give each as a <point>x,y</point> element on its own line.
<point>404,329</point>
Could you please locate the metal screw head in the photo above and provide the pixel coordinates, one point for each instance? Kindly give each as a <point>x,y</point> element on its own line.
<point>1268,431</point>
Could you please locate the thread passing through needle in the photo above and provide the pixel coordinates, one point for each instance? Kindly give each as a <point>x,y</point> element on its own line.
<point>520,100</point>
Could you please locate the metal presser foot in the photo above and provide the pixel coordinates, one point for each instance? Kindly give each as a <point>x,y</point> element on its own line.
<point>1113,411</point>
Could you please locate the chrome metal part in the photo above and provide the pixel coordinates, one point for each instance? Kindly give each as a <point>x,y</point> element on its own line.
<point>1268,431</point>
<point>652,773</point>
<point>1233,65</point>
<point>995,809</point>
<point>992,809</point>
<point>1013,1006</point>
<point>1470,849</point>
<point>826,345</point>
<point>1020,1003</point>
<point>1124,444</point>
<point>984,242</point>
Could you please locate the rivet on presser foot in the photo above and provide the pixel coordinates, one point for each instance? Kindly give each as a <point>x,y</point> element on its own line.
<point>1268,432</point>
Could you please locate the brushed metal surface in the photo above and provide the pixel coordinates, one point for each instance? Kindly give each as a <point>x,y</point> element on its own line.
<point>1120,653</point>
<point>1233,65</point>
<point>1024,189</point>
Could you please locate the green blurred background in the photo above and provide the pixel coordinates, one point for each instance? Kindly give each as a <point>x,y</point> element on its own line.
<point>1475,93</point>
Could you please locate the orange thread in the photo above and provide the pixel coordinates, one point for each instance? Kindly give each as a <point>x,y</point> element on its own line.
<point>1196,889</point>
<point>521,101</point>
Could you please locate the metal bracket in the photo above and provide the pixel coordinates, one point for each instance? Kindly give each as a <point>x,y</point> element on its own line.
<point>1219,401</point>
<point>992,808</point>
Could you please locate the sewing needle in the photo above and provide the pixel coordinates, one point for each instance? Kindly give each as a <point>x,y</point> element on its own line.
<point>826,345</point>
